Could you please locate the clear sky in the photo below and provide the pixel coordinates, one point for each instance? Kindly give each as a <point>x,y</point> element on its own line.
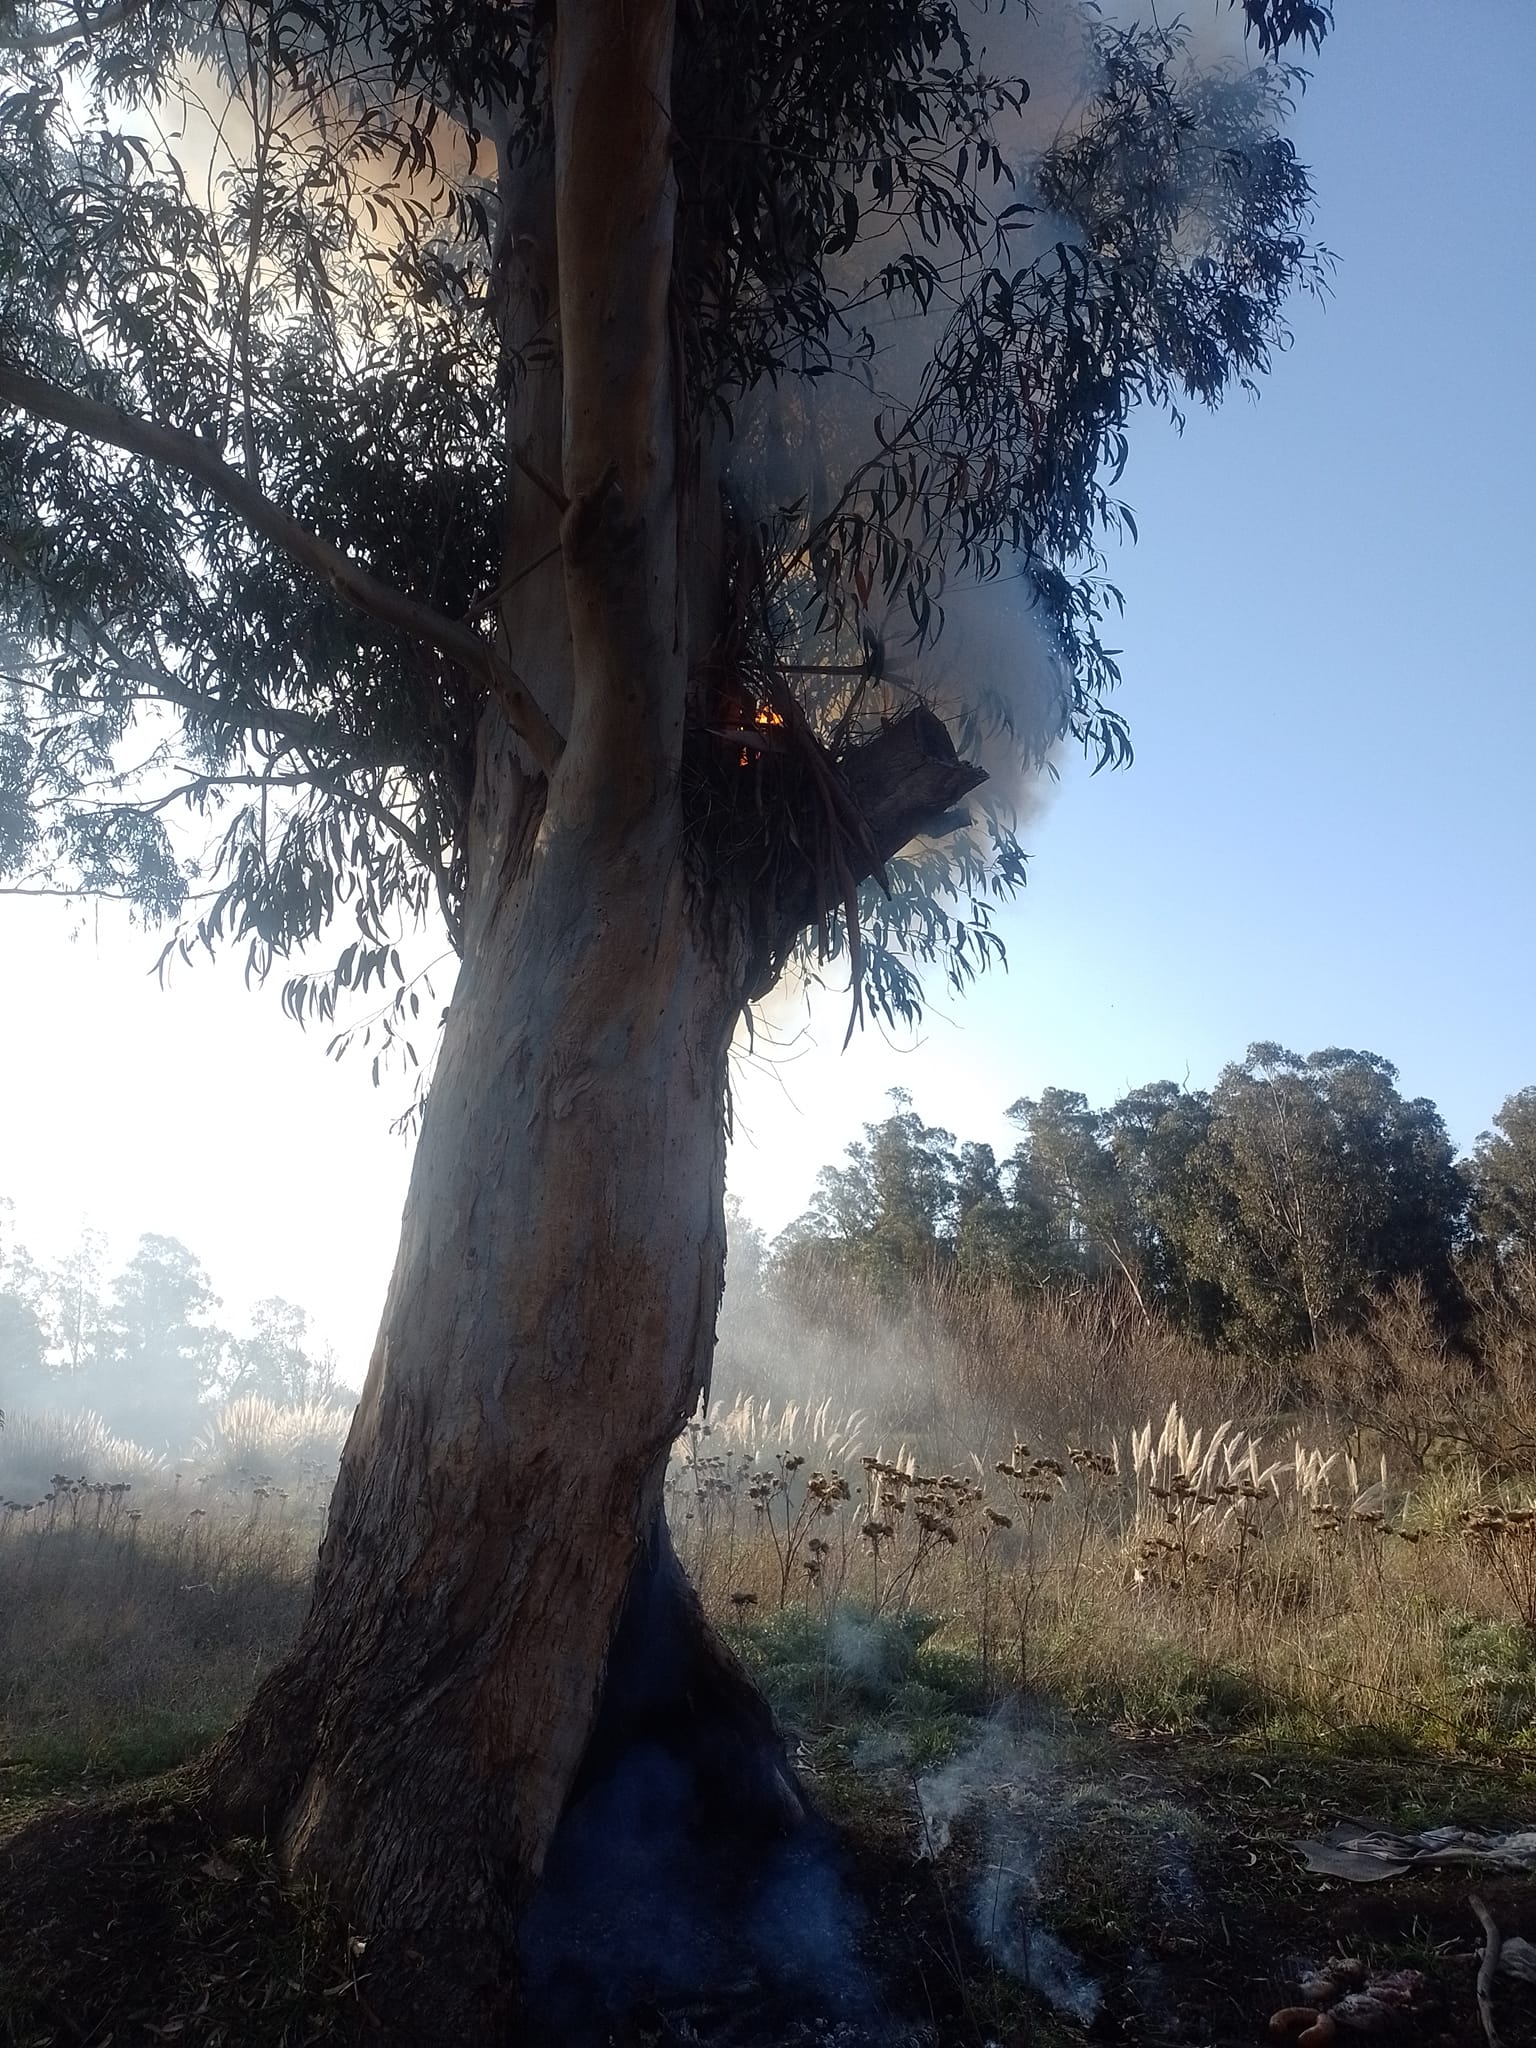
<point>1326,838</point>
<point>1327,835</point>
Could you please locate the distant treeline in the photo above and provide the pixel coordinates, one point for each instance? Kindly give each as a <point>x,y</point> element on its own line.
<point>1264,1215</point>
<point>142,1346</point>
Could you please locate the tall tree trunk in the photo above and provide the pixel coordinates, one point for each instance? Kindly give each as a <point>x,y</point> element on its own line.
<point>548,1329</point>
<point>551,1317</point>
<point>498,1617</point>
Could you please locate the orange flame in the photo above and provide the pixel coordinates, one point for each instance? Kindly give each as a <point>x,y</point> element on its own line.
<point>765,717</point>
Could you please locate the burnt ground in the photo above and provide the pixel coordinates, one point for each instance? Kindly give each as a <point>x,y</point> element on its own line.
<point>1169,1876</point>
<point>1159,1873</point>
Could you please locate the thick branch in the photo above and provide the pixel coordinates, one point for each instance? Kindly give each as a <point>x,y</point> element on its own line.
<point>86,892</point>
<point>900,782</point>
<point>615,204</point>
<point>86,25</point>
<point>172,448</point>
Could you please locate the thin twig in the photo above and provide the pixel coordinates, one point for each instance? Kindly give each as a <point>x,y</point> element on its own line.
<point>85,25</point>
<point>1493,1942</point>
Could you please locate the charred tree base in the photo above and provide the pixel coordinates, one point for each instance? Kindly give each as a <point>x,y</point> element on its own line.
<point>685,1836</point>
<point>689,1862</point>
<point>673,1688</point>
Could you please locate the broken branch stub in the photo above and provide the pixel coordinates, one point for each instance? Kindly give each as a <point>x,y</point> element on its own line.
<point>803,827</point>
<point>905,778</point>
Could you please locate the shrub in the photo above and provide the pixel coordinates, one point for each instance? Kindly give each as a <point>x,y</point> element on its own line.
<point>254,1438</point>
<point>34,1448</point>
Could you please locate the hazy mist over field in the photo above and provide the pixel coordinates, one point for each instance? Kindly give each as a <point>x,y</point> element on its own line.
<point>1116,1471</point>
<point>1309,844</point>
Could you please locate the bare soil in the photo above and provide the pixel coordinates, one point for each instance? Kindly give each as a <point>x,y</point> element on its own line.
<point>123,1920</point>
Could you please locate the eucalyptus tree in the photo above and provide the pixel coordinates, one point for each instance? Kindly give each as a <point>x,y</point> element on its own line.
<point>1323,1185</point>
<point>1064,1164</point>
<point>1501,1178</point>
<point>158,1350</point>
<point>614,478</point>
<point>23,1339</point>
<point>274,1359</point>
<point>1158,1134</point>
<point>889,1211</point>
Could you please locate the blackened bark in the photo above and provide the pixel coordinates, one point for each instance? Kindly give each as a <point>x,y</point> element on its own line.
<point>673,1685</point>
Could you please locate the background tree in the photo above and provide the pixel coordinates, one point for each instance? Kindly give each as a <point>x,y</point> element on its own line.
<point>1158,1135</point>
<point>23,1351</point>
<point>274,1360</point>
<point>984,1229</point>
<point>749,1251</point>
<point>23,1341</point>
<point>143,1349</point>
<point>1501,1178</point>
<point>159,1353</point>
<point>75,1295</point>
<point>1303,1199</point>
<point>403,454</point>
<point>1325,1186</point>
<point>1068,1169</point>
<point>888,1213</point>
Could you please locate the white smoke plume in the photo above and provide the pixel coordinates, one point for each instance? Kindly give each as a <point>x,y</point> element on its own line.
<point>1007,1778</point>
<point>797,441</point>
<point>1002,1811</point>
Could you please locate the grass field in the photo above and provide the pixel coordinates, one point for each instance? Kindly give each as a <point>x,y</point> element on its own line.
<point>1071,1671</point>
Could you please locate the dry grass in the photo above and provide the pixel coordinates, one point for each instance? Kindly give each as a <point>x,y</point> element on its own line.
<point>268,1444</point>
<point>36,1446</point>
<point>1134,1530</point>
<point>136,1615</point>
<point>1204,1562</point>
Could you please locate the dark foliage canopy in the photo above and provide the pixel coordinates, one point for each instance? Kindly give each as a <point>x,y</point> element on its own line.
<point>259,413</point>
<point>1264,1215</point>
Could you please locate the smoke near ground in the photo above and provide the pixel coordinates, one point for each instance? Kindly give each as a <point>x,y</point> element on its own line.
<point>687,1932</point>
<point>966,1371</point>
<point>1013,1816</point>
<point>1006,1781</point>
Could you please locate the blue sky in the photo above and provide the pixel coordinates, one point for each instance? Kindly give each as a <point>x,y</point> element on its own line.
<point>1327,835</point>
<point>1326,838</point>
